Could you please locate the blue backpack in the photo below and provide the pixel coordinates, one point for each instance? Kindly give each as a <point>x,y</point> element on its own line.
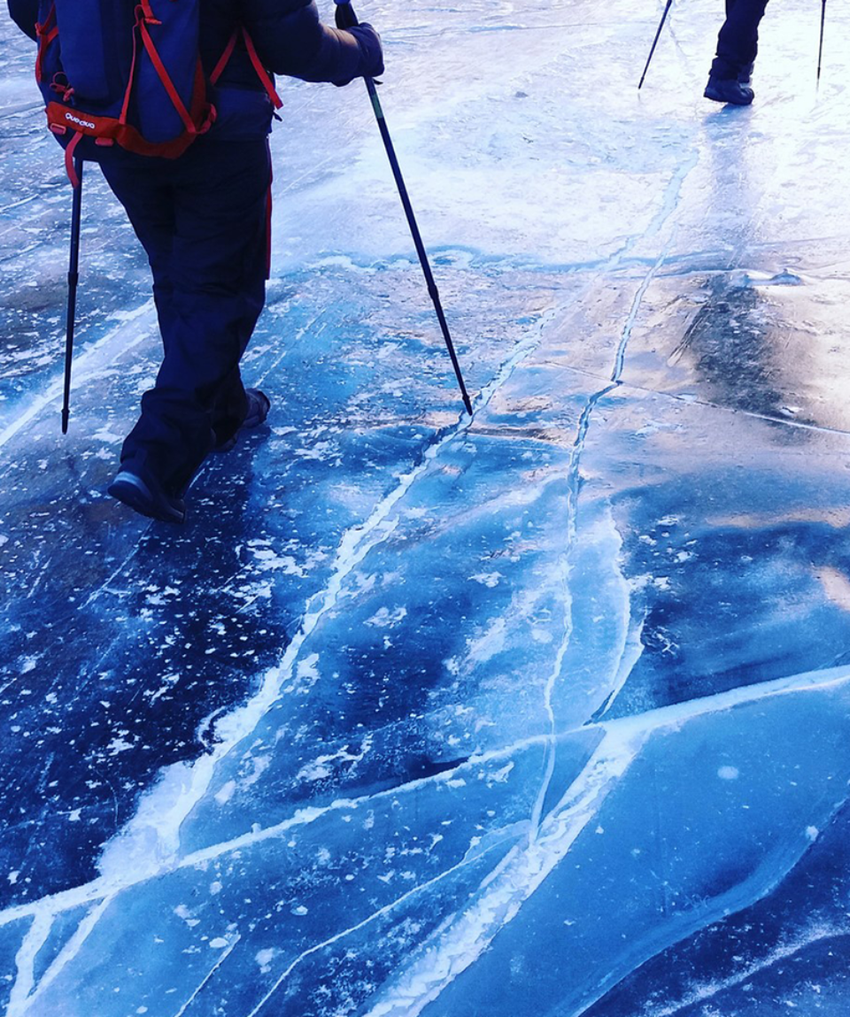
<point>127,72</point>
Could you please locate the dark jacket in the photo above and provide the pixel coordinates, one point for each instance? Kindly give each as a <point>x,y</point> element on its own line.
<point>289,38</point>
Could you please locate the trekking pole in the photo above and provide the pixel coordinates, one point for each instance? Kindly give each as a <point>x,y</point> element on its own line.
<point>73,279</point>
<point>820,46</point>
<point>655,41</point>
<point>346,18</point>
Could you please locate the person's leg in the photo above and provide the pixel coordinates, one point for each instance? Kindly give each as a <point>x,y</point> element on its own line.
<point>219,276</point>
<point>143,187</point>
<point>737,40</point>
<point>210,288</point>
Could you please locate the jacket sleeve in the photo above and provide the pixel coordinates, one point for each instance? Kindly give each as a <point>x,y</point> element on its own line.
<point>25,14</point>
<point>290,39</point>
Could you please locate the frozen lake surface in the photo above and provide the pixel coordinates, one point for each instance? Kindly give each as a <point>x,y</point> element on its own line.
<point>546,712</point>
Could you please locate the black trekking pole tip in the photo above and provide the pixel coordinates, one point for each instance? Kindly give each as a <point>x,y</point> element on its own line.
<point>65,415</point>
<point>820,43</point>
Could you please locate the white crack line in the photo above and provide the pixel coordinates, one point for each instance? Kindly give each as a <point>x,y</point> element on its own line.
<point>221,959</point>
<point>25,990</point>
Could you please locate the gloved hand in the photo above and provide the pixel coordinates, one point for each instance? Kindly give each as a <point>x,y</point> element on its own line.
<point>370,47</point>
<point>371,55</point>
<point>368,40</point>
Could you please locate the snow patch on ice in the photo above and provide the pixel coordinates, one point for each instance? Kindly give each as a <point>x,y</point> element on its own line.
<point>267,558</point>
<point>384,618</point>
<point>110,437</point>
<point>225,792</point>
<point>264,959</point>
<point>118,744</point>
<point>488,579</point>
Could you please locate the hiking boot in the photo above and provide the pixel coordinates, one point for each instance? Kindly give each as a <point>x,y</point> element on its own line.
<point>728,90</point>
<point>146,497</point>
<point>745,75</point>
<point>259,405</point>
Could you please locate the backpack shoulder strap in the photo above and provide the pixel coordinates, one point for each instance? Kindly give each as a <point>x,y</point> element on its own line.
<point>145,17</point>
<point>45,31</point>
<point>261,72</point>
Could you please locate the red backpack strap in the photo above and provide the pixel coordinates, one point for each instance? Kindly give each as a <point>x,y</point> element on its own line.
<point>262,73</point>
<point>224,60</point>
<point>131,80</point>
<point>45,32</point>
<point>145,17</point>
<point>70,169</point>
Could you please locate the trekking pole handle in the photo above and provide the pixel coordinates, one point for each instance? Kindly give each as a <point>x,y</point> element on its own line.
<point>344,14</point>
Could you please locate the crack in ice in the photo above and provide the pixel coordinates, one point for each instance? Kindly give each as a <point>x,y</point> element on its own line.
<point>206,979</point>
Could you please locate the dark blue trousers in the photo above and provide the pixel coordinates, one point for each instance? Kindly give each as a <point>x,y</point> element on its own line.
<point>202,220</point>
<point>737,42</point>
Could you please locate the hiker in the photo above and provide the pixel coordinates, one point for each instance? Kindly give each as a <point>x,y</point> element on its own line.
<point>737,42</point>
<point>203,219</point>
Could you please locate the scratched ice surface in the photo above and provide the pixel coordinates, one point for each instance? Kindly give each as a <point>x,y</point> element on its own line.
<point>546,712</point>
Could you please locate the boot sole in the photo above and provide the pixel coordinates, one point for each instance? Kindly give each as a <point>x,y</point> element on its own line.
<point>709,93</point>
<point>133,492</point>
